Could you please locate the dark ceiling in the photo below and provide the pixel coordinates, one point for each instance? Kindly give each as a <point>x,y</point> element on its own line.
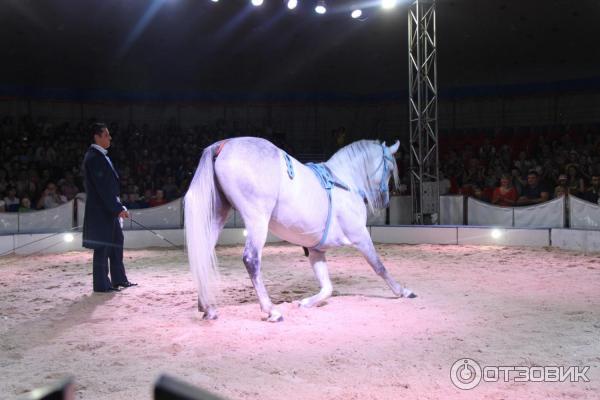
<point>197,45</point>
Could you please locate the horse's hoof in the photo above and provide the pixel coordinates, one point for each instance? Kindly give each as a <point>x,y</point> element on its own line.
<point>275,316</point>
<point>305,303</point>
<point>209,316</point>
<point>408,294</point>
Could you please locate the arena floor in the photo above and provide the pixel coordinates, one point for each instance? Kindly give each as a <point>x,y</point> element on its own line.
<point>500,306</point>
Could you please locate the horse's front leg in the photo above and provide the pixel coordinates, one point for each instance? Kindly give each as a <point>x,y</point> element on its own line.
<point>366,247</point>
<point>319,264</point>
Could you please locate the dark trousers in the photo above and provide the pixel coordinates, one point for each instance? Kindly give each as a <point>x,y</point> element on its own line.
<point>109,258</point>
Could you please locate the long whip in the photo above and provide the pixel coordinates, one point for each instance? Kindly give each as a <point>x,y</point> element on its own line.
<point>39,240</point>
<point>158,235</point>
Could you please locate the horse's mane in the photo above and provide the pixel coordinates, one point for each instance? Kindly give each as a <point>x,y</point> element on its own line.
<point>353,165</point>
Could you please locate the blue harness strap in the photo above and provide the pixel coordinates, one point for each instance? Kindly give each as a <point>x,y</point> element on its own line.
<point>290,167</point>
<point>327,182</point>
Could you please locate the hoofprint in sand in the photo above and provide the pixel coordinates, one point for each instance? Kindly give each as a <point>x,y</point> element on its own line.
<point>499,306</point>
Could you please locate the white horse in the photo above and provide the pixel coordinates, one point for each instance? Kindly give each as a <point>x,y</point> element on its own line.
<point>274,192</point>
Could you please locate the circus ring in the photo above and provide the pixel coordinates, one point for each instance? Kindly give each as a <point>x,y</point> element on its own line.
<point>494,302</point>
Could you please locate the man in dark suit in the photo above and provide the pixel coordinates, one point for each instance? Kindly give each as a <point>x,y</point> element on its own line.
<point>103,210</point>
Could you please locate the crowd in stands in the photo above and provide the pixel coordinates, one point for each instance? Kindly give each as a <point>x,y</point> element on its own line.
<point>40,163</point>
<point>522,166</point>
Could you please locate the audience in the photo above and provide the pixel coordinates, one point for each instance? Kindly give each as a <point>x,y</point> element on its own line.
<point>11,202</point>
<point>51,197</point>
<point>561,189</point>
<point>25,205</point>
<point>593,192</point>
<point>544,163</point>
<point>40,162</point>
<point>533,192</point>
<point>505,194</point>
<point>158,199</point>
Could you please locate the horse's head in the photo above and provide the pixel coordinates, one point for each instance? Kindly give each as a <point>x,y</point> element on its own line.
<point>386,167</point>
<point>367,166</point>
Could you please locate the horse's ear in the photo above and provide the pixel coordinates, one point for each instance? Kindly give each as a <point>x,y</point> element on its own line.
<point>394,148</point>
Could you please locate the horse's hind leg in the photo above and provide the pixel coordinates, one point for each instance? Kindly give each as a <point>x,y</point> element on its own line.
<point>319,264</point>
<point>365,246</point>
<point>257,236</point>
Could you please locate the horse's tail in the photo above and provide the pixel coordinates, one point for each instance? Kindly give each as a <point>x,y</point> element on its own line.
<point>201,231</point>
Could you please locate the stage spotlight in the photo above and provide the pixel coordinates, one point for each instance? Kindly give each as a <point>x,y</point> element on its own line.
<point>496,233</point>
<point>388,4</point>
<point>321,8</point>
<point>168,388</point>
<point>257,3</point>
<point>291,4</point>
<point>245,233</point>
<point>68,237</point>
<point>356,13</point>
<point>215,1</point>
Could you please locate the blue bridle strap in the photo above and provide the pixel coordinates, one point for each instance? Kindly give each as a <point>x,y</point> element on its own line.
<point>327,182</point>
<point>383,184</point>
<point>387,156</point>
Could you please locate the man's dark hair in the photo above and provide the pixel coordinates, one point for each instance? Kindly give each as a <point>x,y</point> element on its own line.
<point>96,129</point>
<point>533,172</point>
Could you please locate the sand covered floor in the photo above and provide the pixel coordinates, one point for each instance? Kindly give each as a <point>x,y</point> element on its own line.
<point>497,305</point>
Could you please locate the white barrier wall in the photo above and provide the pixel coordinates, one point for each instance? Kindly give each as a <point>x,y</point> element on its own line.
<point>569,239</point>
<point>167,216</point>
<point>451,210</point>
<point>547,215</point>
<point>9,223</point>
<point>575,239</point>
<point>583,214</point>
<point>170,216</point>
<point>41,243</point>
<point>484,214</point>
<point>413,234</point>
<point>56,219</point>
<point>7,244</point>
<point>503,236</point>
<point>400,210</point>
<point>550,214</point>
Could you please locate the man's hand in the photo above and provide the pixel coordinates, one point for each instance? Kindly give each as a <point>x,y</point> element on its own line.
<point>124,214</point>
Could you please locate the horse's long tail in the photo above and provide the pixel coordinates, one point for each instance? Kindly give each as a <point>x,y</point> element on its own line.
<point>201,231</point>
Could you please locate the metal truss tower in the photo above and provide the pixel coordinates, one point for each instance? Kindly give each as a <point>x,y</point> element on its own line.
<point>423,112</point>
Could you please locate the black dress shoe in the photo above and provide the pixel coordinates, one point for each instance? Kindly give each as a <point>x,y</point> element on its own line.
<point>108,290</point>
<point>124,285</point>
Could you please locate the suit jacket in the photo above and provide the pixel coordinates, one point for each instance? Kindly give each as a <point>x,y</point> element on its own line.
<point>102,205</point>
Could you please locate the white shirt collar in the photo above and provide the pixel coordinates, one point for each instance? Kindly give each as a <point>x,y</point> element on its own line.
<point>100,148</point>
